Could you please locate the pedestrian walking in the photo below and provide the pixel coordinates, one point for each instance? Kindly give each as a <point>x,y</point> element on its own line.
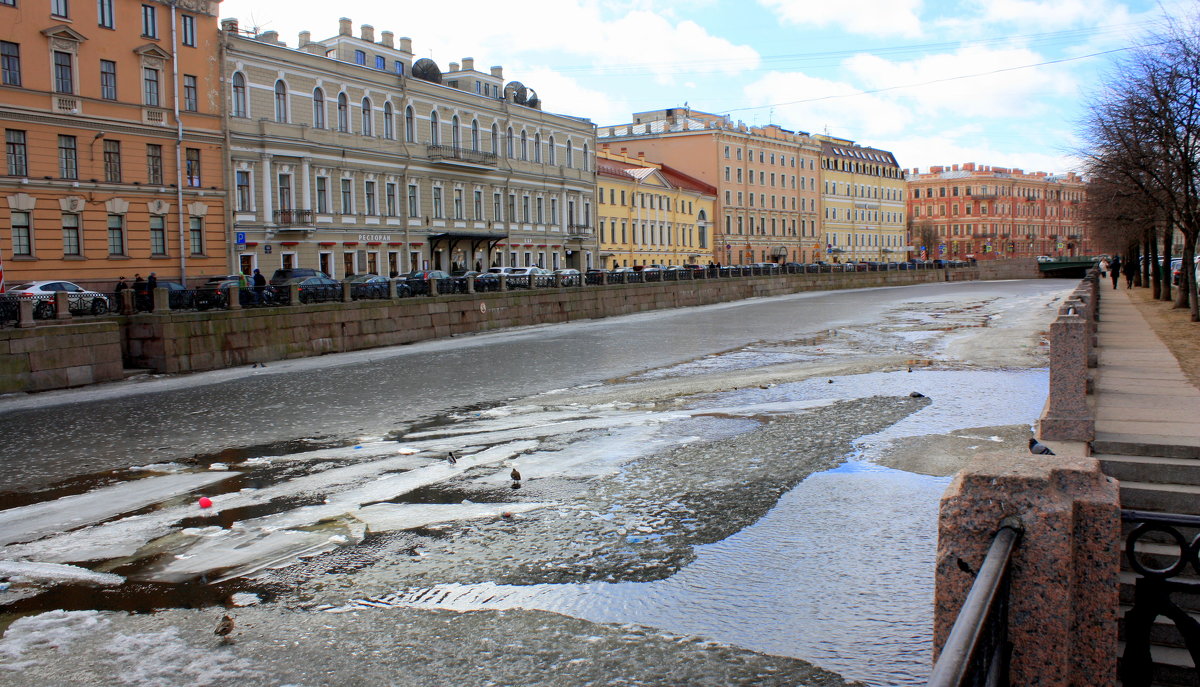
<point>1103,267</point>
<point>139,284</point>
<point>1129,268</point>
<point>151,282</point>
<point>1114,270</point>
<point>121,285</point>
<point>260,284</point>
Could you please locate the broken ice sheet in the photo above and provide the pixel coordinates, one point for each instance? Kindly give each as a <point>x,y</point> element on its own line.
<point>234,553</point>
<point>57,573</point>
<point>387,517</point>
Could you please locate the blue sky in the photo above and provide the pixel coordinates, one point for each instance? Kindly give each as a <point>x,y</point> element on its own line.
<point>935,82</point>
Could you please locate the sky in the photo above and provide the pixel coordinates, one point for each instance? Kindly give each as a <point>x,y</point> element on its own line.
<point>936,82</point>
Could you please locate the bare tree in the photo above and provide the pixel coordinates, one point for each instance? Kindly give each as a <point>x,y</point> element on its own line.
<point>1143,131</point>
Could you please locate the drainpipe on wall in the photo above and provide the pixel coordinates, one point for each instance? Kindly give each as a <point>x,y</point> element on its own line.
<point>183,247</point>
<point>227,159</point>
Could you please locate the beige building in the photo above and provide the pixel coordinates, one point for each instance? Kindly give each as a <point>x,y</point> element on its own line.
<point>352,156</point>
<point>862,197</point>
<point>766,179</point>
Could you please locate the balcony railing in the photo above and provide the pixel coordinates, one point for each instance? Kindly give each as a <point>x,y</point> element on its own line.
<point>579,230</point>
<point>294,218</point>
<point>478,157</point>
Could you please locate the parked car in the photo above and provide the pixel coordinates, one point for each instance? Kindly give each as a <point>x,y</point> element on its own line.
<point>570,277</point>
<point>315,289</point>
<point>79,300</point>
<point>214,293</point>
<point>179,297</point>
<point>285,273</point>
<point>368,286</point>
<point>418,280</point>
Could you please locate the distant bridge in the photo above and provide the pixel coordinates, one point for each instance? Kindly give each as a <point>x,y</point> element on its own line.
<point>1073,267</point>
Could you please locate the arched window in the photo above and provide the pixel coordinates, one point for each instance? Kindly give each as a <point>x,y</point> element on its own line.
<point>552,158</point>
<point>281,101</point>
<point>474,135</point>
<point>410,127</point>
<point>343,123</point>
<point>495,140</point>
<point>434,139</point>
<point>239,96</point>
<point>455,134</point>
<point>318,108</point>
<point>367,116</point>
<point>524,146</point>
<point>537,147</point>
<point>570,153</point>
<point>509,144</point>
<point>389,126</point>
<point>587,161</point>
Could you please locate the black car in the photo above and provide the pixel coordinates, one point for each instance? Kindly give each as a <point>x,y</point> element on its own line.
<point>418,281</point>
<point>214,293</point>
<point>315,289</point>
<point>285,273</point>
<point>370,286</point>
<point>484,281</point>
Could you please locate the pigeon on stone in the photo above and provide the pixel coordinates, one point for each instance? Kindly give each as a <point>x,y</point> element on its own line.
<point>451,458</point>
<point>516,476</point>
<point>916,394</point>
<point>224,628</point>
<point>1037,448</point>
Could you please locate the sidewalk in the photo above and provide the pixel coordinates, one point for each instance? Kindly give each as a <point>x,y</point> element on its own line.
<point>1141,395</point>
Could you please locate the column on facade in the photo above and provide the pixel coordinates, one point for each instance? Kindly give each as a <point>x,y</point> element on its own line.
<point>267,190</point>
<point>306,184</point>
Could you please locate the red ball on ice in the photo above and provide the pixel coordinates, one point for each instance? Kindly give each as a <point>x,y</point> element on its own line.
<point>205,502</point>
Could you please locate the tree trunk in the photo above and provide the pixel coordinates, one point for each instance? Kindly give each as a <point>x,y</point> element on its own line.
<point>1155,265</point>
<point>1168,248</point>
<point>1187,275</point>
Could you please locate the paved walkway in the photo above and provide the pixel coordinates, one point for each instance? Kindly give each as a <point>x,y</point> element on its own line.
<point>1141,395</point>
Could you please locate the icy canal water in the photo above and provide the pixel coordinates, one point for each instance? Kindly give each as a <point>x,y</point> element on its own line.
<point>759,515</point>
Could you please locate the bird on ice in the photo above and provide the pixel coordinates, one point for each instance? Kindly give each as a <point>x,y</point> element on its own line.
<point>516,476</point>
<point>224,628</point>
<point>451,458</point>
<point>1038,448</point>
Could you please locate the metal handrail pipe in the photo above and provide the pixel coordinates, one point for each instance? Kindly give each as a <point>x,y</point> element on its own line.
<point>955,660</point>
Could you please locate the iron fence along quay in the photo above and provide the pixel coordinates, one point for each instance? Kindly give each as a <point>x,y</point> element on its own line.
<point>129,302</point>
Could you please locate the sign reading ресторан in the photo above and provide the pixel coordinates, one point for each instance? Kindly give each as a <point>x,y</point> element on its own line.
<point>374,237</point>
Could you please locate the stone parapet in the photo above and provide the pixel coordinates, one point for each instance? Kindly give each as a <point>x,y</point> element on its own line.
<point>1068,415</point>
<point>1064,573</point>
<point>59,356</point>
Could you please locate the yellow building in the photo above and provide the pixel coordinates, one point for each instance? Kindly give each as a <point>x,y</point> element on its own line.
<point>863,203</point>
<point>651,214</point>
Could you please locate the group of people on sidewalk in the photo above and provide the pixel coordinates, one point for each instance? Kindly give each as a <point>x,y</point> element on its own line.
<point>1116,268</point>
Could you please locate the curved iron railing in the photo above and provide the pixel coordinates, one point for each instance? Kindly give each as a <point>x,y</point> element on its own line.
<point>977,651</point>
<point>1155,585</point>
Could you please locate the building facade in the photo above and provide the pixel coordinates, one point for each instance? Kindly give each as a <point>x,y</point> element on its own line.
<point>985,213</point>
<point>651,214</point>
<point>766,179</point>
<point>863,213</point>
<point>112,127</point>
<point>351,156</point>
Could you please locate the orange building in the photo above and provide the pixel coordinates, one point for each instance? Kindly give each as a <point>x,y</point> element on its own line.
<point>112,126</point>
<point>766,179</point>
<point>982,212</point>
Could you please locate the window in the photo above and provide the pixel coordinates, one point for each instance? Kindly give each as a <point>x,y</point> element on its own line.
<point>390,192</point>
<point>570,152</point>
<point>458,204</point>
<point>116,234</point>
<point>58,8</point>
<point>18,155</point>
<point>509,143</point>
<point>64,72</point>
<point>367,129</point>
<point>242,183</point>
<point>410,131</point>
<point>360,57</point>
<point>189,30</point>
<point>525,209</point>
<point>437,201</point>
<point>478,205</point>
<point>318,108</point>
<point>322,195</point>
<point>108,79</point>
<point>281,103</point>
<point>524,146</point>
<point>343,113</point>
<point>347,198</point>
<point>196,235</point>
<point>399,67</point>
<point>158,235</point>
<point>70,233</point>
<point>551,157</point>
<point>412,200</point>
<point>537,147</point>
<point>193,167</point>
<point>104,12</point>
<point>433,128</point>
<point>455,135</point>
<point>149,21</point>
<point>191,95</point>
<point>495,140</point>
<point>285,191</point>
<point>68,159</point>
<point>369,197</point>
<point>389,124</point>
<point>474,135</point>
<point>10,63</point>
<point>22,237</point>
<point>150,86</point>
<point>112,161</point>
<point>380,63</point>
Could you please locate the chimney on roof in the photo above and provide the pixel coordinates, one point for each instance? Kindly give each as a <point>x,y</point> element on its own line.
<point>388,39</point>
<point>230,25</point>
<point>498,71</point>
<point>368,33</point>
<point>269,37</point>
<point>406,45</point>
<point>468,64</point>
<point>969,167</point>
<point>954,168</point>
<point>453,67</point>
<point>345,27</point>
<point>305,39</point>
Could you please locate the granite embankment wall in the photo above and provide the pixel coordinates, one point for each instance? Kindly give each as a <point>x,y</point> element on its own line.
<point>198,341</point>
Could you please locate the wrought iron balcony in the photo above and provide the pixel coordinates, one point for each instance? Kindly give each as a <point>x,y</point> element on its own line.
<point>294,218</point>
<point>457,154</point>
<point>579,230</point>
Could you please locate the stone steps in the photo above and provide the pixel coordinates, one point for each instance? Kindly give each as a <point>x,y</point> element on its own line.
<point>1163,632</point>
<point>1173,667</point>
<point>1152,469</point>
<point>1160,497</point>
<point>1145,445</point>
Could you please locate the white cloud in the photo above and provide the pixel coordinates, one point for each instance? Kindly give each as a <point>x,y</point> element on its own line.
<point>862,117</point>
<point>563,95</point>
<point>868,17</point>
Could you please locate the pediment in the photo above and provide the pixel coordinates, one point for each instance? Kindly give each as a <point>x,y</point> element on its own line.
<point>64,32</point>
<point>152,50</point>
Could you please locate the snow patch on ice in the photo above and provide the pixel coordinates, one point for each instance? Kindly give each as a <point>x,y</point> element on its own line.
<point>55,630</point>
<point>56,572</point>
<point>245,599</point>
<point>164,658</point>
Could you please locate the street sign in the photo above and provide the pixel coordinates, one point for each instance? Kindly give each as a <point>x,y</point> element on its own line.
<point>267,248</point>
<point>241,238</point>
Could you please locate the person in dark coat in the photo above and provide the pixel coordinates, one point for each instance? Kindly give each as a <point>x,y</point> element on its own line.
<point>1114,270</point>
<point>152,282</point>
<point>260,284</point>
<point>1129,269</point>
<point>122,285</point>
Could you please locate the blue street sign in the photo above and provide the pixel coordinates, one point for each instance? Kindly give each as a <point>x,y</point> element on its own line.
<point>267,248</point>
<point>241,238</point>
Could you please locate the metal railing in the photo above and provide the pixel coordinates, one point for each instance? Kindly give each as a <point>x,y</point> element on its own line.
<point>441,152</point>
<point>977,651</point>
<point>1158,576</point>
<point>293,218</point>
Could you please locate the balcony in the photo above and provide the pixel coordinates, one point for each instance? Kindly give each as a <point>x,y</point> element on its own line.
<point>579,230</point>
<point>462,155</point>
<point>294,218</point>
<point>64,104</point>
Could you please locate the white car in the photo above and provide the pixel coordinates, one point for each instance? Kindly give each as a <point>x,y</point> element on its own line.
<point>79,300</point>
